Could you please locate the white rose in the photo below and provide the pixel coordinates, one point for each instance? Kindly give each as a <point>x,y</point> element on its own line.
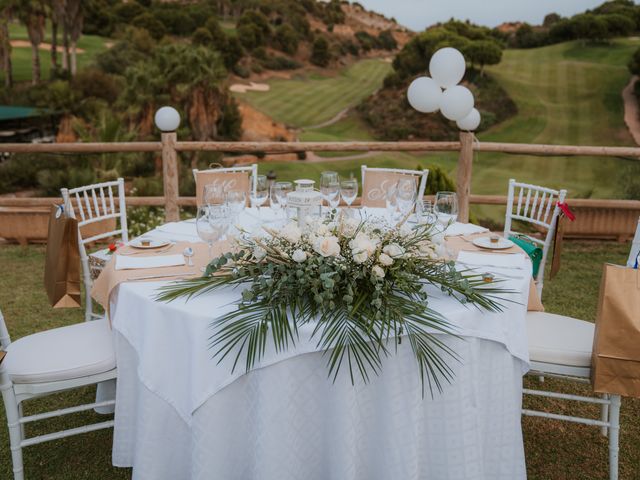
<point>291,233</point>
<point>378,271</point>
<point>360,257</point>
<point>322,229</point>
<point>327,246</point>
<point>299,256</point>
<point>259,253</point>
<point>393,250</point>
<point>385,259</point>
<point>363,243</point>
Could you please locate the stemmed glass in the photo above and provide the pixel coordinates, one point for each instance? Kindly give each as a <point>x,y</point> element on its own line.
<point>261,192</point>
<point>424,211</point>
<point>282,190</point>
<point>330,187</point>
<point>274,201</point>
<point>349,191</point>
<point>406,193</point>
<point>213,194</point>
<point>236,200</point>
<point>446,207</point>
<point>391,200</point>
<point>211,224</point>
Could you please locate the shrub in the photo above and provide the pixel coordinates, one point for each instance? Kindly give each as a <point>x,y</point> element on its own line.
<point>250,36</point>
<point>126,12</point>
<point>91,82</point>
<point>280,63</point>
<point>142,219</point>
<point>286,39</point>
<point>634,63</point>
<point>151,24</point>
<point>232,52</point>
<point>202,36</point>
<point>320,54</point>
<point>386,40</point>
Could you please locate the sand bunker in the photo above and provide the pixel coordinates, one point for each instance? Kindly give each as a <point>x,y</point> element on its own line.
<point>42,46</point>
<point>252,87</point>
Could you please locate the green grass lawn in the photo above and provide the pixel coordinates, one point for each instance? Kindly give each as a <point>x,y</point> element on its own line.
<point>313,99</point>
<point>554,450</point>
<point>21,56</point>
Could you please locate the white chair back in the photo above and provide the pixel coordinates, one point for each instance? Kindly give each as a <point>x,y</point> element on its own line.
<point>376,181</point>
<point>96,203</point>
<point>537,206</point>
<point>635,248</point>
<point>215,175</point>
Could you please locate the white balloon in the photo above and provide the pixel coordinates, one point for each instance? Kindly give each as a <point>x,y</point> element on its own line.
<point>447,67</point>
<point>424,95</point>
<point>456,102</point>
<point>167,119</point>
<point>470,122</point>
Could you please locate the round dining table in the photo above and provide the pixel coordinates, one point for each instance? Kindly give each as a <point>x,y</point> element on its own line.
<point>181,414</point>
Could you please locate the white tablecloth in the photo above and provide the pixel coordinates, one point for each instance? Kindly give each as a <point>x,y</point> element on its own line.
<point>179,415</point>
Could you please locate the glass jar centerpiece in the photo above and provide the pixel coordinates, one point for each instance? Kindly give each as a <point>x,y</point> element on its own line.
<point>304,202</point>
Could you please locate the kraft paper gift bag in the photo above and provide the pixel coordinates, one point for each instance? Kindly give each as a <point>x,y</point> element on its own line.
<point>62,264</point>
<point>616,344</point>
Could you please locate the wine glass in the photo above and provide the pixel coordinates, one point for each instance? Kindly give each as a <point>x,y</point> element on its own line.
<point>260,194</point>
<point>206,231</point>
<point>329,186</point>
<point>213,194</point>
<point>406,193</point>
<point>424,211</point>
<point>274,200</point>
<point>333,190</point>
<point>284,189</point>
<point>446,207</point>
<point>391,200</point>
<point>349,191</point>
<point>236,200</point>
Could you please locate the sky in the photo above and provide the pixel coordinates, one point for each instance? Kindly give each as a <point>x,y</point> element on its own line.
<point>418,14</point>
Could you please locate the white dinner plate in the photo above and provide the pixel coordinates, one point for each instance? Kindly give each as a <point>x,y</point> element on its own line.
<point>153,243</point>
<point>485,242</point>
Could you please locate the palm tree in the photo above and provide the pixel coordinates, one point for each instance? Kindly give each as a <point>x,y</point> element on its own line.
<point>5,42</point>
<point>56,8</point>
<point>33,15</point>
<point>74,21</point>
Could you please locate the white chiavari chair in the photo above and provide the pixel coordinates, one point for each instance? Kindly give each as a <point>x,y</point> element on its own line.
<point>89,205</point>
<point>537,206</point>
<point>50,362</point>
<point>375,182</point>
<point>203,177</point>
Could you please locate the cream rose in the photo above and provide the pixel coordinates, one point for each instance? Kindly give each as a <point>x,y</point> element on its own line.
<point>385,259</point>
<point>393,250</point>
<point>327,246</point>
<point>299,256</point>
<point>291,233</point>
<point>363,243</point>
<point>378,271</point>
<point>360,257</point>
<point>349,227</point>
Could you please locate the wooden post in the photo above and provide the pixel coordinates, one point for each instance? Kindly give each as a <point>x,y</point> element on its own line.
<point>170,177</point>
<point>463,181</point>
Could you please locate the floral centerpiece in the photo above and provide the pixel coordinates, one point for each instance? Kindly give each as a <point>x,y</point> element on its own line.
<point>361,283</point>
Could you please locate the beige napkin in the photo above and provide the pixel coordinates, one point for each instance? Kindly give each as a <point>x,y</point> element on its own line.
<point>111,278</point>
<point>464,243</point>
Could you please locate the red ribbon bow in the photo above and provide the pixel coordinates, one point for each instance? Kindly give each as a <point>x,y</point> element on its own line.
<point>566,211</point>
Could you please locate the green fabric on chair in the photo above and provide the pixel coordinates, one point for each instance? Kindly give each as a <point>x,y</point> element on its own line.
<point>531,248</point>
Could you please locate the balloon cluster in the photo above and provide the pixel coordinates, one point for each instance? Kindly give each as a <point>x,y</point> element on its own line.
<point>426,94</point>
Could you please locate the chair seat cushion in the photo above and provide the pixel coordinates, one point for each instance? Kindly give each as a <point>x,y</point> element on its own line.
<point>559,340</point>
<point>62,353</point>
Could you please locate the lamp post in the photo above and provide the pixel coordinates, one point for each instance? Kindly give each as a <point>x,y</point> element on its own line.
<point>167,119</point>
<point>442,92</point>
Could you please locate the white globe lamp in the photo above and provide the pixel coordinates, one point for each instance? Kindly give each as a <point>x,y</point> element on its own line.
<point>447,67</point>
<point>456,103</point>
<point>471,122</point>
<point>167,119</point>
<point>424,95</point>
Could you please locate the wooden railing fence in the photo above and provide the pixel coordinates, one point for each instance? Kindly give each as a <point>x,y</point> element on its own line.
<point>169,146</point>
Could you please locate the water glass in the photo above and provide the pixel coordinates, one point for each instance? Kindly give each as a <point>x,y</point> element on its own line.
<point>391,200</point>
<point>424,212</point>
<point>330,186</point>
<point>406,194</point>
<point>206,231</point>
<point>446,207</point>
<point>260,194</point>
<point>274,201</point>
<point>284,189</point>
<point>236,200</point>
<point>349,191</point>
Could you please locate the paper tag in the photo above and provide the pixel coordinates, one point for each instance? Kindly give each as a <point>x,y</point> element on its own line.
<point>566,211</point>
